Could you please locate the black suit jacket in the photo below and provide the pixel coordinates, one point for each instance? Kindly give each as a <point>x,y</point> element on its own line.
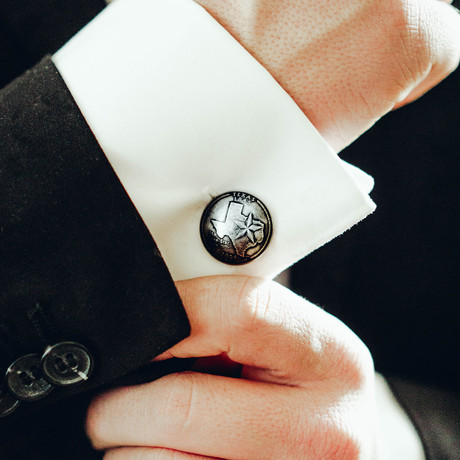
<point>72,242</point>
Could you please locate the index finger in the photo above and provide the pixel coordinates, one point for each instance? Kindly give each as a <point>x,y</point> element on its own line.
<point>263,325</point>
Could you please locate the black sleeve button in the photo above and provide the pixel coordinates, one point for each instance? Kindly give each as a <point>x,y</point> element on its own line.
<point>67,363</point>
<point>8,403</point>
<point>24,379</point>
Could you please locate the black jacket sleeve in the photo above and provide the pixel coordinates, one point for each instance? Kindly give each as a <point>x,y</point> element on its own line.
<point>76,261</point>
<point>435,414</point>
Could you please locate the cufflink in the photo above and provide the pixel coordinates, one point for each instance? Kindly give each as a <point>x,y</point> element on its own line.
<point>236,228</point>
<point>67,363</point>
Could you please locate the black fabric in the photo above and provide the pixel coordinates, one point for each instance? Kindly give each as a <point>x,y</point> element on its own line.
<point>56,432</point>
<point>30,29</point>
<point>73,241</point>
<point>435,414</point>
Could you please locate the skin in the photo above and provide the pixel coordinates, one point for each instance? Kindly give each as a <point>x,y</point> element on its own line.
<point>347,63</point>
<point>307,382</point>
<point>306,388</point>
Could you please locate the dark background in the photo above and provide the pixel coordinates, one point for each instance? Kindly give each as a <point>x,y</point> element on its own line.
<point>394,278</point>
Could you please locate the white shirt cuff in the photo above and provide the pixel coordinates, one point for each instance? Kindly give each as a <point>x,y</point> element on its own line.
<point>184,113</point>
<point>398,438</point>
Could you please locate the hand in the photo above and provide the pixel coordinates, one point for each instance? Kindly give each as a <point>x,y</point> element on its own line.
<point>306,386</point>
<point>346,64</point>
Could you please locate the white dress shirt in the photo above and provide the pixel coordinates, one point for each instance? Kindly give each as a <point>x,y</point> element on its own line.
<point>202,117</point>
<point>184,113</point>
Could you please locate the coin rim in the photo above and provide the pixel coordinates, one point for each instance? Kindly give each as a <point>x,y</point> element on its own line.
<point>204,217</point>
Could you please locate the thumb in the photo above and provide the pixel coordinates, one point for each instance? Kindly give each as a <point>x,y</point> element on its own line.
<point>262,325</point>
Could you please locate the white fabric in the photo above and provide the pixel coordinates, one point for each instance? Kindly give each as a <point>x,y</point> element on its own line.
<point>398,438</point>
<point>184,113</point>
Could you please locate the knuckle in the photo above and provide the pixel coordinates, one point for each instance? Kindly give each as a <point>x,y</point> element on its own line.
<point>355,363</point>
<point>342,441</point>
<point>405,41</point>
<point>296,437</point>
<point>178,402</point>
<point>284,427</point>
<point>411,36</point>
<point>253,308</point>
<point>345,447</point>
<point>331,437</point>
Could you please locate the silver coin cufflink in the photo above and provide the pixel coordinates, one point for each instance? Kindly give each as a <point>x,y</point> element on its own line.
<point>236,228</point>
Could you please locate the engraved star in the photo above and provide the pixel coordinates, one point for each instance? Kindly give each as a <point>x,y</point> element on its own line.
<point>247,228</point>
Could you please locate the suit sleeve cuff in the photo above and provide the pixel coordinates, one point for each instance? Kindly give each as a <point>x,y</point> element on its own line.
<point>73,243</point>
<point>184,113</point>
